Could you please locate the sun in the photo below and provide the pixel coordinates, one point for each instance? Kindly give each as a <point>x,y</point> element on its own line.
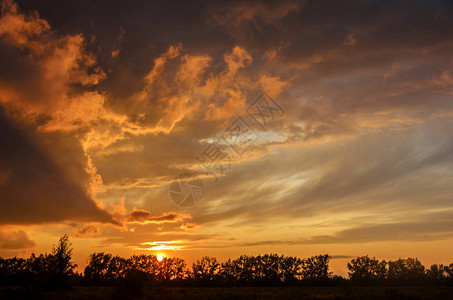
<point>160,257</point>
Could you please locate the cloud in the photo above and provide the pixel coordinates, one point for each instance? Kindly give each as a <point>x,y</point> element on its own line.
<point>384,177</point>
<point>15,240</point>
<point>43,67</point>
<point>350,40</point>
<point>188,226</point>
<point>144,217</point>
<point>87,231</point>
<point>47,175</point>
<point>407,231</point>
<point>35,189</point>
<point>181,86</point>
<point>254,11</point>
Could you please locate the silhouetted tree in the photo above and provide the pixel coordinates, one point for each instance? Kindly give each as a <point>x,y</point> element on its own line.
<point>147,265</point>
<point>409,269</point>
<point>316,267</point>
<point>449,271</point>
<point>291,268</point>
<point>227,271</point>
<point>118,267</point>
<point>245,268</point>
<point>175,268</point>
<point>131,274</point>
<point>206,269</point>
<point>436,272</point>
<point>59,261</point>
<point>365,269</point>
<point>98,267</point>
<point>270,269</point>
<point>13,270</point>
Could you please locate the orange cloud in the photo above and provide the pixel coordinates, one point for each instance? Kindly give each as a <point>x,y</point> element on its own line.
<point>237,59</point>
<point>145,217</point>
<point>44,66</point>
<point>15,240</point>
<point>87,231</point>
<point>188,226</point>
<point>42,88</point>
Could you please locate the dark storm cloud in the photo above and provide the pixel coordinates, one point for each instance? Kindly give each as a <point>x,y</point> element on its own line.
<point>18,71</point>
<point>148,29</point>
<point>33,189</point>
<point>308,38</point>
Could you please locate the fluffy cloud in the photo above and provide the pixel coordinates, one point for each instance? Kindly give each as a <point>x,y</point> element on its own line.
<point>87,231</point>
<point>15,240</point>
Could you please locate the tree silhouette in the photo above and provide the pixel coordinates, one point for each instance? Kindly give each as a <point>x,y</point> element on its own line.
<point>366,269</point>
<point>227,271</point>
<point>97,269</point>
<point>132,274</point>
<point>206,269</point>
<point>291,268</point>
<point>436,272</point>
<point>409,269</point>
<point>316,267</point>
<point>59,262</point>
<point>175,268</point>
<point>270,268</point>
<point>449,271</point>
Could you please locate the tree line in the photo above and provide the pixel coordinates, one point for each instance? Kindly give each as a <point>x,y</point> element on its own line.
<point>246,269</point>
<point>53,269</point>
<point>57,269</point>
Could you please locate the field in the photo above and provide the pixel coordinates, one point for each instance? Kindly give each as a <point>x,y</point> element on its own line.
<point>236,293</point>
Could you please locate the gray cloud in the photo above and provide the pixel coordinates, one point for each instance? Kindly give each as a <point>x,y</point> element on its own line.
<point>34,188</point>
<point>409,231</point>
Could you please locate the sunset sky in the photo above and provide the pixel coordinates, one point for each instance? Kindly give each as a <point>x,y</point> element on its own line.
<point>103,103</point>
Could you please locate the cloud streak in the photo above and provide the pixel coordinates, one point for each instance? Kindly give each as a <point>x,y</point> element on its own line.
<point>144,217</point>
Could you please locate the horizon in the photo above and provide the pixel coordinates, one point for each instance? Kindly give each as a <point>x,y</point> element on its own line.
<point>219,129</point>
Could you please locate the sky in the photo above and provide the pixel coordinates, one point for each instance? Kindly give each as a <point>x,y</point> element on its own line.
<point>314,127</point>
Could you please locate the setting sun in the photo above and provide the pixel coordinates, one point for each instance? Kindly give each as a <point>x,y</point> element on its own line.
<point>160,257</point>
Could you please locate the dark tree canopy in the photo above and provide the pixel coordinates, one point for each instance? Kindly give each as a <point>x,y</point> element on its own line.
<point>57,269</point>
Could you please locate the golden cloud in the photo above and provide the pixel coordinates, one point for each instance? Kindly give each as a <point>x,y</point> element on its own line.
<point>145,217</point>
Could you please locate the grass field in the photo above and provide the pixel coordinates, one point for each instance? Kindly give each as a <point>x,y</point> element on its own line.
<point>236,293</point>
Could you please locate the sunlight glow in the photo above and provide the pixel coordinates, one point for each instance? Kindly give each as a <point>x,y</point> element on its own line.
<point>159,246</point>
<point>160,258</point>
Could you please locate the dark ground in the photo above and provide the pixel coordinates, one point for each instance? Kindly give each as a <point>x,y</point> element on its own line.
<point>235,293</point>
